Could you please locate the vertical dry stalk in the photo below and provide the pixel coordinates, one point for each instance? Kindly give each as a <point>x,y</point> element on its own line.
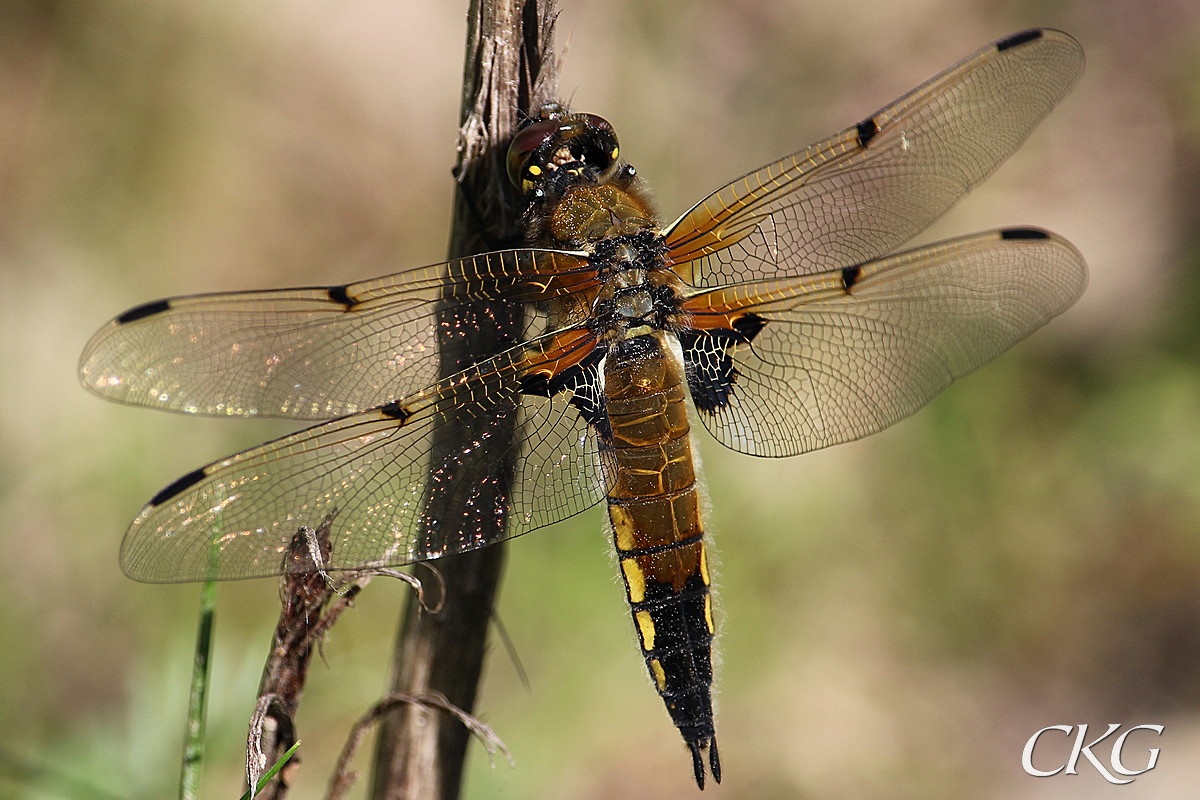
<point>508,73</point>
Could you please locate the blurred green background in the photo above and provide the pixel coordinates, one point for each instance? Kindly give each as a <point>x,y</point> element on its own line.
<point>897,615</point>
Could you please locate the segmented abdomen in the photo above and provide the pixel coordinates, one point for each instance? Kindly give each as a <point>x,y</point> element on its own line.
<point>657,528</point>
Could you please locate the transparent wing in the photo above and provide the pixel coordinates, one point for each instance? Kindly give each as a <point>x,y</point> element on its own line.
<point>865,191</point>
<point>839,355</point>
<point>312,353</point>
<point>386,475</point>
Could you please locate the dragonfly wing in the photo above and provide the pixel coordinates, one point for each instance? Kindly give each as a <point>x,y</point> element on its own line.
<point>787,366</point>
<point>312,353</point>
<point>387,475</point>
<point>867,190</point>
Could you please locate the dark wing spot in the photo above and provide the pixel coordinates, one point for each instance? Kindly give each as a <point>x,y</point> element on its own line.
<point>176,488</point>
<point>850,276</point>
<point>395,411</point>
<point>338,294</point>
<point>1018,39</point>
<point>1023,233</point>
<point>144,310</point>
<point>582,380</point>
<point>866,131</point>
<point>535,383</point>
<point>749,325</point>
<point>709,367</point>
<point>708,361</point>
<point>586,394</point>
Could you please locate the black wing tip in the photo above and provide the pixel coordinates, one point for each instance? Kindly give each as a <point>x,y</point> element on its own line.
<point>178,487</point>
<point>1024,233</point>
<point>143,311</point>
<point>1019,38</point>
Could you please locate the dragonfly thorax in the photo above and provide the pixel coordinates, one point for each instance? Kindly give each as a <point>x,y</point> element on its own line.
<point>623,311</point>
<point>638,292</point>
<point>635,304</point>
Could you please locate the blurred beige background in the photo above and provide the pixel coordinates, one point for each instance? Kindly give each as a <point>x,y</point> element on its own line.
<point>898,615</point>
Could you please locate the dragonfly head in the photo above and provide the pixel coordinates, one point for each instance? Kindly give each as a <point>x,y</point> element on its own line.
<point>563,147</point>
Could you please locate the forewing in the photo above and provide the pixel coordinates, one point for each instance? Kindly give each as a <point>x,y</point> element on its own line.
<point>865,191</point>
<point>788,366</point>
<point>385,475</point>
<point>312,353</point>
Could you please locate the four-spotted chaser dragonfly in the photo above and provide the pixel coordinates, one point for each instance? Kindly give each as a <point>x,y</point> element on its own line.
<point>776,303</point>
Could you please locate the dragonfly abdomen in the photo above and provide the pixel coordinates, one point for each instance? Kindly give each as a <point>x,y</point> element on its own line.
<point>653,504</point>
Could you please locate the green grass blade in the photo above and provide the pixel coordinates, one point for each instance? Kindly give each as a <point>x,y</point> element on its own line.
<point>271,773</point>
<point>193,746</point>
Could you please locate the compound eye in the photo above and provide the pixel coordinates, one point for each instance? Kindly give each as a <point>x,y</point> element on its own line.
<point>522,148</point>
<point>602,146</point>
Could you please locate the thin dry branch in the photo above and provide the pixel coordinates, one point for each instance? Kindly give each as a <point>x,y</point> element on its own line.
<point>311,602</point>
<point>344,777</point>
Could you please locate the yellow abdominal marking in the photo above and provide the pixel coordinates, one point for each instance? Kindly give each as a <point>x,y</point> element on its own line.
<point>635,579</point>
<point>660,677</point>
<point>708,617</point>
<point>704,565</point>
<point>645,628</point>
<point>623,527</point>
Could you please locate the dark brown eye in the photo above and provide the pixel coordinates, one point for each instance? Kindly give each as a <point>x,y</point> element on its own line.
<point>598,141</point>
<point>523,146</point>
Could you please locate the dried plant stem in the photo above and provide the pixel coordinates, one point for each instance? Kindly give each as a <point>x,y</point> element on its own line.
<point>508,73</point>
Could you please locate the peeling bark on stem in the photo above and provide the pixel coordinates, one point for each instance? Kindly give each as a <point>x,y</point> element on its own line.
<point>509,72</point>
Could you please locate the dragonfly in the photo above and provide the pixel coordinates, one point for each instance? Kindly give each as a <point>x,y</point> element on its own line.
<point>779,312</point>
